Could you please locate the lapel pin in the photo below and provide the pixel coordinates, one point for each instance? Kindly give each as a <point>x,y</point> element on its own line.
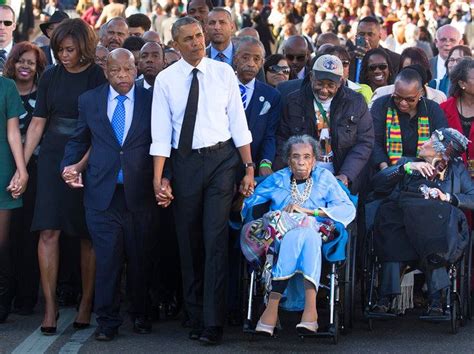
<point>262,98</point>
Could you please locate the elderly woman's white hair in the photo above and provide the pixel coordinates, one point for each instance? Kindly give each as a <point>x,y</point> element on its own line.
<point>300,139</point>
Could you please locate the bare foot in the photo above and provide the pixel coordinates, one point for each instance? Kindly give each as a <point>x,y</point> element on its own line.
<point>84,313</point>
<point>269,317</point>
<point>49,319</point>
<point>309,316</point>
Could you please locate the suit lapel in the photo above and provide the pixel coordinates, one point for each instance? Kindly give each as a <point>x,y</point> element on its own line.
<point>102,110</point>
<point>254,107</point>
<point>137,110</point>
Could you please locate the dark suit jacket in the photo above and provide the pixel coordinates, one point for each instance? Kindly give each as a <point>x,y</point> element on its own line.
<point>107,156</point>
<point>47,52</point>
<point>434,66</point>
<point>263,115</point>
<point>287,87</point>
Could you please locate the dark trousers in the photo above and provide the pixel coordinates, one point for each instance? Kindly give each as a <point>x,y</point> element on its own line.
<point>436,279</point>
<point>203,185</point>
<point>118,234</point>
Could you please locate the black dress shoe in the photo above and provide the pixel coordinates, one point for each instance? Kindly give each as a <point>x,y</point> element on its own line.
<point>103,335</point>
<point>50,331</point>
<point>211,335</point>
<point>195,333</point>
<point>142,325</point>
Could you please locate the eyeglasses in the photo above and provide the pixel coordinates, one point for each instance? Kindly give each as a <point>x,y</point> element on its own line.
<point>292,57</point>
<point>455,60</point>
<point>373,67</point>
<point>279,69</point>
<point>399,99</point>
<point>7,23</point>
<point>346,63</point>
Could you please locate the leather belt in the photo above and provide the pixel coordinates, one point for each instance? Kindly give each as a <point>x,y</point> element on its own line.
<point>218,146</point>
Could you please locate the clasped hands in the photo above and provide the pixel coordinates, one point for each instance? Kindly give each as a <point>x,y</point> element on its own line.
<point>17,185</point>
<point>72,175</point>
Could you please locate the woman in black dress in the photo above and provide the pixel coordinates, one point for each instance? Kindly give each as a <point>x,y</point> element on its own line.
<point>26,63</point>
<point>57,207</point>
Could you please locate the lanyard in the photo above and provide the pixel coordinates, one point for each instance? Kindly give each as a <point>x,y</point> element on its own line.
<point>322,111</point>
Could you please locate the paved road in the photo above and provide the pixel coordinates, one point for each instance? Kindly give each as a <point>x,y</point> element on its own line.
<point>405,334</point>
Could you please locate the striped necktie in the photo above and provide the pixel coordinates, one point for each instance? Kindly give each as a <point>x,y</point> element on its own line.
<point>3,59</point>
<point>243,95</point>
<point>221,57</point>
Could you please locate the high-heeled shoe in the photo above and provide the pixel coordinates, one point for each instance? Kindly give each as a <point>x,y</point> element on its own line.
<point>80,325</point>
<point>307,328</point>
<point>264,329</point>
<point>50,331</point>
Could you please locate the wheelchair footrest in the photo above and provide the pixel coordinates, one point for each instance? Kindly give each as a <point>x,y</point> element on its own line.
<point>440,318</point>
<point>380,316</point>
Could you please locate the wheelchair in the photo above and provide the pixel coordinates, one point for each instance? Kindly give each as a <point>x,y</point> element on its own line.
<point>338,286</point>
<point>458,296</point>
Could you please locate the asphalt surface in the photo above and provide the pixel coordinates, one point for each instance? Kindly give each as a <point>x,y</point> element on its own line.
<point>404,334</point>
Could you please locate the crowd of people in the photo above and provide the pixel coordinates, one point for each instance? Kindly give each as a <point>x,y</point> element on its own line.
<point>131,132</point>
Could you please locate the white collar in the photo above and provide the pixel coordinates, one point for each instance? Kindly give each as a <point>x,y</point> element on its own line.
<point>9,47</point>
<point>130,94</point>
<point>188,68</point>
<point>249,85</point>
<point>352,85</point>
<point>146,85</point>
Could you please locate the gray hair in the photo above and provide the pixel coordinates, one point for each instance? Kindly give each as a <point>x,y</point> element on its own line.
<point>183,21</point>
<point>300,139</point>
<point>248,40</point>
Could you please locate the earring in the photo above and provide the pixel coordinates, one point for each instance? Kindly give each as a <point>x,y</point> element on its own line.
<point>463,88</point>
<point>82,60</point>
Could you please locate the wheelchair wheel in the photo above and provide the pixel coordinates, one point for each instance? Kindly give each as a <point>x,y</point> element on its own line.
<point>347,314</point>
<point>335,338</point>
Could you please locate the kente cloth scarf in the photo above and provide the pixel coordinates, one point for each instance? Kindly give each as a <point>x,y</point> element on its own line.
<point>394,135</point>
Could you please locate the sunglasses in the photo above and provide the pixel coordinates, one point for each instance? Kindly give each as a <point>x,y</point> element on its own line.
<point>292,57</point>
<point>398,99</point>
<point>279,69</point>
<point>345,63</point>
<point>7,23</point>
<point>373,67</point>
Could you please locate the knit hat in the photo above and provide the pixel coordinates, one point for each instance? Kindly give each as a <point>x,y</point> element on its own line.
<point>446,137</point>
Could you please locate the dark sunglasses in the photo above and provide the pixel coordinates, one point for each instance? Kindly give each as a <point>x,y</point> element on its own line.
<point>373,67</point>
<point>292,57</point>
<point>398,99</point>
<point>345,63</point>
<point>7,23</point>
<point>279,69</point>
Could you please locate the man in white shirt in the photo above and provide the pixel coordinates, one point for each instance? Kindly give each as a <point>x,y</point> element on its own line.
<point>7,26</point>
<point>446,38</point>
<point>198,120</point>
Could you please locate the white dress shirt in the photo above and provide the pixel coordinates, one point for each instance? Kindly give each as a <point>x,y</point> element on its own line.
<point>302,73</point>
<point>440,67</point>
<point>128,103</point>
<point>220,114</point>
<point>250,88</point>
<point>146,85</point>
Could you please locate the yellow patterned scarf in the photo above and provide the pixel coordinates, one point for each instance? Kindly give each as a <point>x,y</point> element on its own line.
<point>394,135</point>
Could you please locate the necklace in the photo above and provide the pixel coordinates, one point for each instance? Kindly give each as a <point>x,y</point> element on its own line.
<point>296,196</point>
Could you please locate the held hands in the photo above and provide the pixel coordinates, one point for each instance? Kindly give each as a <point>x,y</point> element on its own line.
<point>163,192</point>
<point>247,185</point>
<point>17,185</point>
<point>265,171</point>
<point>72,175</point>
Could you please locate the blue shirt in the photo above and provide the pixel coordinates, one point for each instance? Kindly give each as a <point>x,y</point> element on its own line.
<point>228,52</point>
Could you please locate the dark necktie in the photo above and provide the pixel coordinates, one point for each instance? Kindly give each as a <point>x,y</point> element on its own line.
<point>3,59</point>
<point>189,119</point>
<point>221,57</point>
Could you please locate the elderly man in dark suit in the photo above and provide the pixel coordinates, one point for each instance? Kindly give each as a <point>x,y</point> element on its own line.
<point>446,38</point>
<point>115,127</point>
<point>261,102</point>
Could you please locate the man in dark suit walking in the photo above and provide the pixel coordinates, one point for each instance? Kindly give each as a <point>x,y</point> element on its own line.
<point>114,124</point>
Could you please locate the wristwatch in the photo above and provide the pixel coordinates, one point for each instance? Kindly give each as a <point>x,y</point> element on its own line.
<point>250,164</point>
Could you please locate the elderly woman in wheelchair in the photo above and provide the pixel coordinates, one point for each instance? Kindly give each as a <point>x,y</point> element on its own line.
<point>305,201</point>
<point>422,220</point>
